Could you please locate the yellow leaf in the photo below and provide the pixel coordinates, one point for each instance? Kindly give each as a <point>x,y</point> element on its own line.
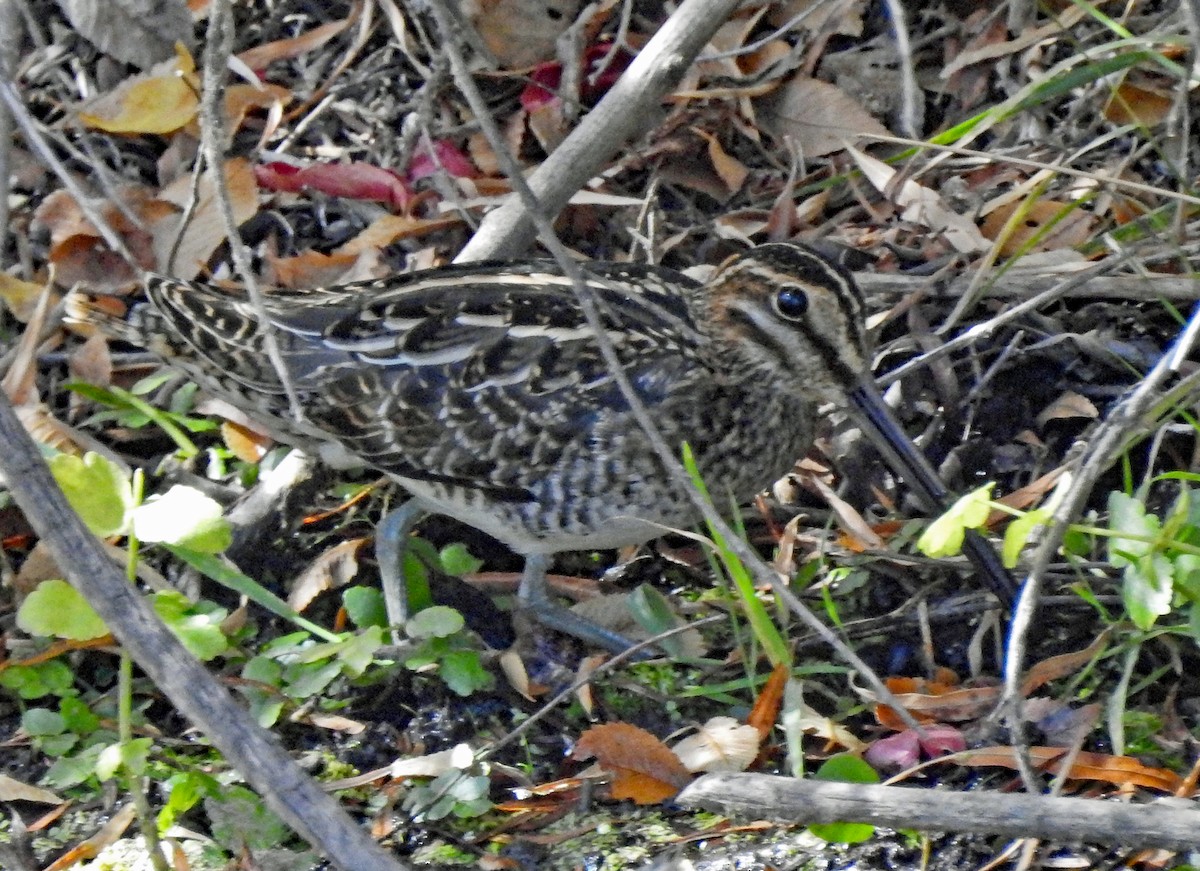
<point>160,102</point>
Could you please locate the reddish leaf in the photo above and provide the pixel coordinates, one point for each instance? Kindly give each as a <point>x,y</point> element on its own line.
<point>449,157</point>
<point>643,768</point>
<point>594,84</point>
<point>356,181</point>
<point>766,706</point>
<point>898,751</point>
<point>1086,766</point>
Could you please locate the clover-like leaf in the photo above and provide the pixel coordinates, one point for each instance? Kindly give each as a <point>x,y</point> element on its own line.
<point>944,537</point>
<point>98,490</point>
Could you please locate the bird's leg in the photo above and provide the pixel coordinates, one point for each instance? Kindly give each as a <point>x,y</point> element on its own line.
<point>534,598</point>
<point>391,538</point>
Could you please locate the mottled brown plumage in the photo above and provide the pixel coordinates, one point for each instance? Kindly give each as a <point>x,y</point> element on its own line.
<point>481,388</point>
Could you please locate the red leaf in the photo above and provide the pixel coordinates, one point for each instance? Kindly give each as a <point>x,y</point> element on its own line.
<point>356,181</point>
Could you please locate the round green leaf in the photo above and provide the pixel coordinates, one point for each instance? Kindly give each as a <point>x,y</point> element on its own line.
<point>57,610</point>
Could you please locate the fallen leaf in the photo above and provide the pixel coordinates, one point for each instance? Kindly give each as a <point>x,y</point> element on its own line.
<point>261,56</point>
<point>731,170</point>
<point>519,33</point>
<point>333,569</point>
<point>766,706</point>
<point>921,205</point>
<point>77,249</point>
<point>1132,104</point>
<point>242,99</point>
<point>247,445</point>
<point>643,768</point>
<point>1086,766</point>
<point>819,118</point>
<point>1056,224</point>
<point>12,789</point>
<point>162,101</point>
<point>355,180</point>
<point>205,230</point>
<point>138,32</point>
<point>1068,405</point>
<point>721,744</point>
<point>21,297</point>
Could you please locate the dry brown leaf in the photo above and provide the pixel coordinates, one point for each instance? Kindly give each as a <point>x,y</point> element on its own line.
<point>863,537</point>
<point>111,832</point>
<point>513,668</point>
<point>1086,766</point>
<point>1068,405</point>
<point>336,723</point>
<point>819,118</point>
<point>520,33</point>
<point>331,570</point>
<point>39,565</point>
<point>138,32</point>
<point>242,99</point>
<point>311,269</point>
<point>766,706</point>
<point>389,229</point>
<point>1131,104</point>
<point>990,51</point>
<point>206,230</point>
<point>1062,223</point>
<point>730,170</point>
<point>77,249</point>
<point>21,297</point>
<point>842,18</point>
<point>12,789</point>
<point>921,205</point>
<point>162,101</point>
<point>721,744</point>
<point>1054,667</point>
<point>643,768</point>
<point>261,56</point>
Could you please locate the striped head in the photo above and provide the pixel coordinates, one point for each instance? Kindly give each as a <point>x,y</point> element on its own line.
<point>788,309</point>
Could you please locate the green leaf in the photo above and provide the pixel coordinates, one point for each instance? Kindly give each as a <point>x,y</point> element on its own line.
<point>438,621</point>
<point>845,768</point>
<point>212,567</point>
<point>765,631</point>
<point>266,706</point>
<point>365,607</point>
<point>117,398</point>
<point>53,678</point>
<point>654,613</point>
<point>1127,514</point>
<point>457,560</point>
<point>43,722</point>
<point>98,490</point>
<point>944,537</point>
<point>1018,533</point>
<point>185,517</point>
<point>1147,590</point>
<point>463,672</point>
<point>198,627</point>
<point>78,717</point>
<point>129,756</point>
<point>56,609</point>
<point>70,771</point>
<point>358,651</point>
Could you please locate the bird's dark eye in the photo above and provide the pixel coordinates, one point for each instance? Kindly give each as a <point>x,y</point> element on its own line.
<point>791,302</point>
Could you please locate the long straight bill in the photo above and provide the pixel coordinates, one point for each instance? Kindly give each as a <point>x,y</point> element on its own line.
<point>910,464</point>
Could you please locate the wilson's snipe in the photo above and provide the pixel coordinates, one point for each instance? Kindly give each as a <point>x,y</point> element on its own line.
<point>482,389</point>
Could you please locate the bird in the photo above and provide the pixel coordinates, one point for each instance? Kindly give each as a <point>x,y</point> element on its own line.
<point>482,389</point>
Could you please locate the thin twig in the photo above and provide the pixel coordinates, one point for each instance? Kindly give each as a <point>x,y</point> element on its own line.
<point>218,48</point>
